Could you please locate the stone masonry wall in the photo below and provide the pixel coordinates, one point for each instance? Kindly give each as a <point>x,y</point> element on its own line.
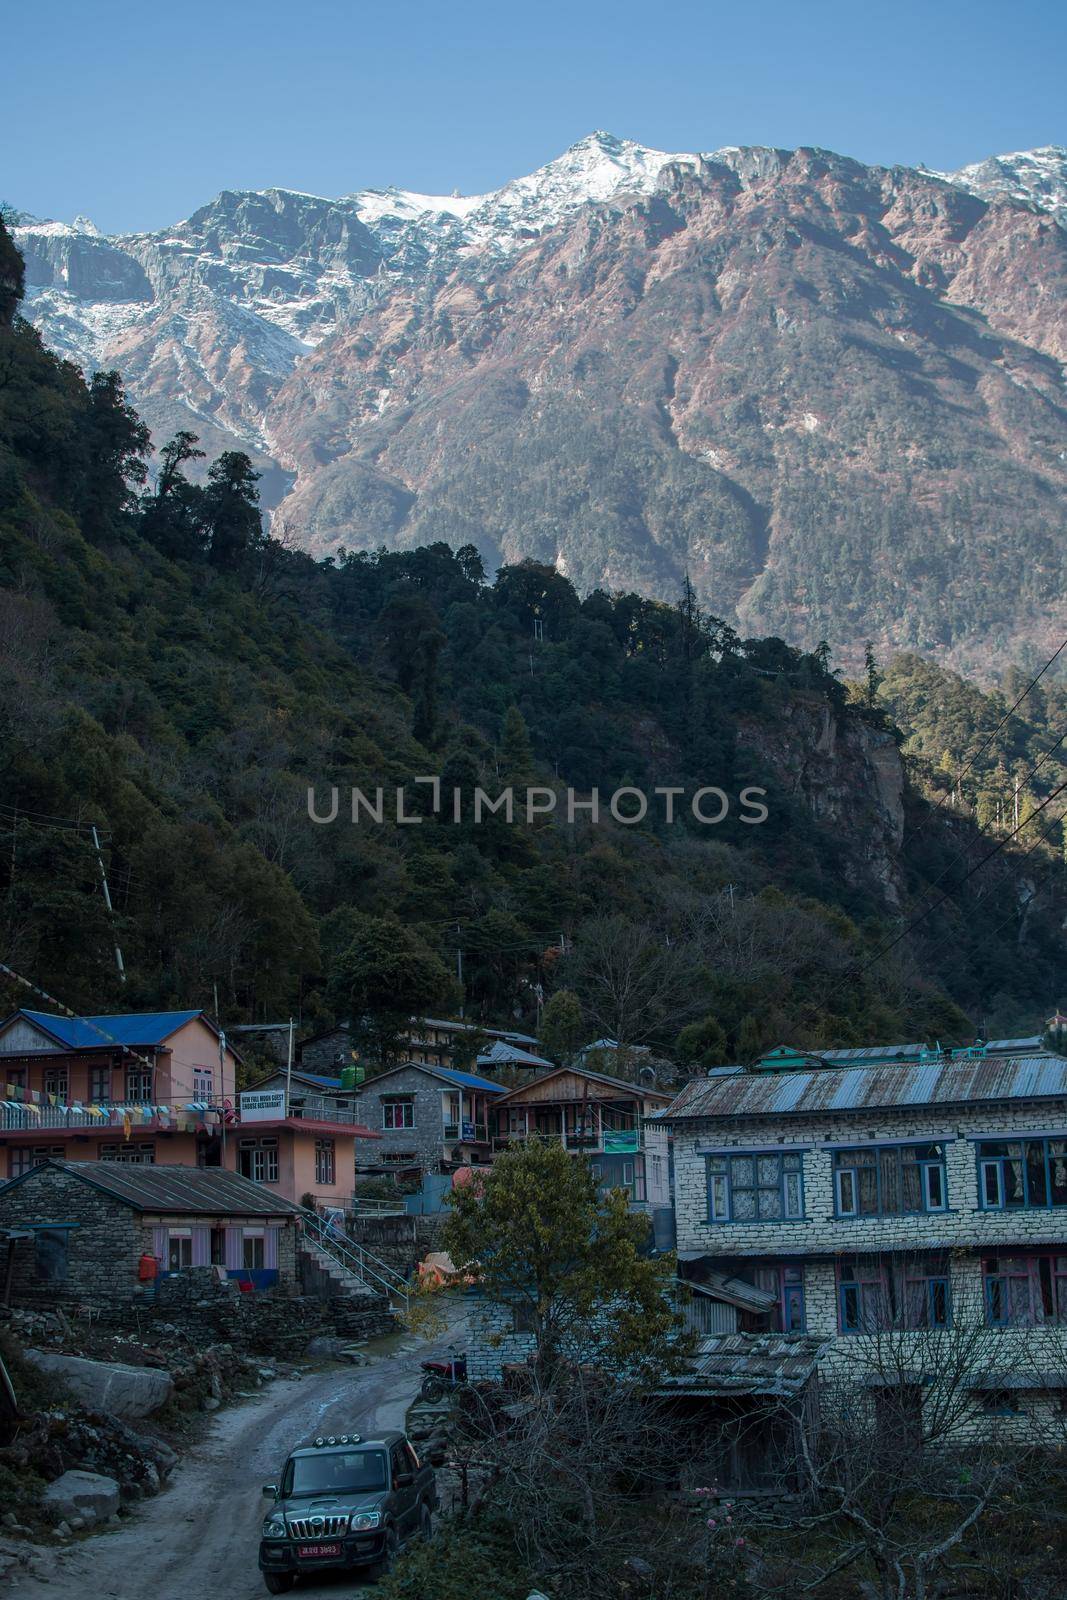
<point>104,1244</point>
<point>425,1139</point>
<point>962,1231</point>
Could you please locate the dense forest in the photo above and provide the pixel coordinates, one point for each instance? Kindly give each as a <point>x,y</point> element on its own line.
<point>175,680</point>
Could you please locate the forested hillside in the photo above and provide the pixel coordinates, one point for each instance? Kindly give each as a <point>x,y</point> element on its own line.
<point>173,678</point>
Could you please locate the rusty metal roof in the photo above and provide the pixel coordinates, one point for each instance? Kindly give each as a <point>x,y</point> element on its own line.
<point>748,1363</point>
<point>187,1191</point>
<point>830,1089</point>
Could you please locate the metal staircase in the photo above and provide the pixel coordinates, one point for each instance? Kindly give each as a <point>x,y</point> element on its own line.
<point>354,1268</point>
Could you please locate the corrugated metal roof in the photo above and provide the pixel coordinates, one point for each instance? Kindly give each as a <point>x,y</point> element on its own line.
<point>871,1053</point>
<point>173,1191</point>
<point>748,1363</point>
<point>129,1028</point>
<point>829,1089</point>
<point>502,1055</point>
<point>468,1080</point>
<point>735,1291</point>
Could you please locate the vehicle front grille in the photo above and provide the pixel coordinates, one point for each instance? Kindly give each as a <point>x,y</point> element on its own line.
<point>318,1527</point>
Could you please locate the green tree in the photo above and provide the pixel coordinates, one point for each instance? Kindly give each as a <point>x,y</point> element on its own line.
<point>116,444</point>
<point>516,752</point>
<point>172,518</point>
<point>384,978</point>
<point>562,1029</point>
<point>542,1239</point>
<point>702,1044</point>
<point>231,512</point>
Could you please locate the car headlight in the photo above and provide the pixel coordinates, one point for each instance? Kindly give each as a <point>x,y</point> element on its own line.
<point>360,1521</point>
<point>274,1528</point>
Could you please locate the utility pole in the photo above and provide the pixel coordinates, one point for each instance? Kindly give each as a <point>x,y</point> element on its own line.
<point>289,1068</point>
<point>222,1086</point>
<point>459,972</point>
<point>107,900</point>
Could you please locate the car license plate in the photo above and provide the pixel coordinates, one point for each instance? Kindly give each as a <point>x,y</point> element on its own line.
<point>317,1552</point>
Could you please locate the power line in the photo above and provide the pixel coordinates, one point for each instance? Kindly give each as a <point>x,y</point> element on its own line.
<point>983,748</point>
<point>928,910</point>
<point>1021,784</point>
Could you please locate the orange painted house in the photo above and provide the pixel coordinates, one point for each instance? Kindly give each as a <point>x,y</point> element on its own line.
<point>156,1088</point>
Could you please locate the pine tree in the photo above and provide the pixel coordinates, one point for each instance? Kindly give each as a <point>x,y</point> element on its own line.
<point>231,510</point>
<point>516,752</point>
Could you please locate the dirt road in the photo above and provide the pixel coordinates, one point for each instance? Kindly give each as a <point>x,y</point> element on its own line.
<point>199,1538</point>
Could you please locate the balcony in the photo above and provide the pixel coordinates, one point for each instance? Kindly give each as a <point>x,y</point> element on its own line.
<point>17,1117</point>
<point>467,1132</point>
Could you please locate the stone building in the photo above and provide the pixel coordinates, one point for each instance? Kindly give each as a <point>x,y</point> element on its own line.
<point>425,1119</point>
<point>923,1203</point>
<point>92,1226</point>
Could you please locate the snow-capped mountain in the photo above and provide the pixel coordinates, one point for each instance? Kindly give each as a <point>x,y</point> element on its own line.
<point>632,362</point>
<point>1036,177</point>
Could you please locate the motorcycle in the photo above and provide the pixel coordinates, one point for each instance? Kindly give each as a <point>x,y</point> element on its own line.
<point>442,1377</point>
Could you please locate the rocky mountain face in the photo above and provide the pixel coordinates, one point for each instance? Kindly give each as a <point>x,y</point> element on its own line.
<point>833,393</point>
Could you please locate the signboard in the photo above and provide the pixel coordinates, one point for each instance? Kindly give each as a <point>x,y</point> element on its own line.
<point>264,1105</point>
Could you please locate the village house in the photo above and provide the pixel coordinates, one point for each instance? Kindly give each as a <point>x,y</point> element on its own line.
<point>907,1201</point>
<point>144,1087</point>
<point>430,1041</point>
<point>605,1119</point>
<point>158,1089</point>
<point>425,1119</point>
<point>94,1224</point>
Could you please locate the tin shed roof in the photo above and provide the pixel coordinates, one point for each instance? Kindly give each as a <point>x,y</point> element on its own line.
<point>170,1190</point>
<point>828,1089</point>
<point>748,1363</point>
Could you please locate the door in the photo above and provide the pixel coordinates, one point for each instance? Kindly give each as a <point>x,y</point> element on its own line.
<point>405,1495</point>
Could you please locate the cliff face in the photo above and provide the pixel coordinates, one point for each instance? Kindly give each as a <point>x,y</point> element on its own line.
<point>851,778</point>
<point>831,393</point>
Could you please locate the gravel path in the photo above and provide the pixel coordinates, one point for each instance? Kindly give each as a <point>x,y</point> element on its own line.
<point>199,1537</point>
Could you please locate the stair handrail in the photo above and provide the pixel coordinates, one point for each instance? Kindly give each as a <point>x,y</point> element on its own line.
<point>353,1257</point>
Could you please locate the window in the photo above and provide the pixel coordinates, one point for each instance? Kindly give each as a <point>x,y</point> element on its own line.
<point>57,1081</point>
<point>1022,1174</point>
<point>787,1285</point>
<point>324,1161</point>
<point>253,1252</point>
<point>862,1296</point>
<point>398,1113</point>
<point>179,1249</point>
<point>889,1180</point>
<point>258,1159</point>
<point>99,1085</point>
<point>1021,1291</point>
<point>138,1085</point>
<point>24,1158</point>
<point>755,1187</point>
<point>906,1291</point>
<point>50,1255</point>
<point>523,1317</point>
<point>136,1155</point>
<point>203,1083</point>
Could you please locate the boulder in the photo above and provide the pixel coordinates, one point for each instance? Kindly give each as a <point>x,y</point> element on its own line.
<point>107,1386</point>
<point>81,1494</point>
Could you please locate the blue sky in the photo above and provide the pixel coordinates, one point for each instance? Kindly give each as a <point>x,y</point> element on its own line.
<point>135,114</point>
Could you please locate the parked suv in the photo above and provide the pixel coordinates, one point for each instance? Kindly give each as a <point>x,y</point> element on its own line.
<point>345,1502</point>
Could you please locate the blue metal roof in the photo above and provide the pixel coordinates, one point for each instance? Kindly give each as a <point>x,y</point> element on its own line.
<point>130,1028</point>
<point>467,1080</point>
<point>826,1089</point>
<point>315,1077</point>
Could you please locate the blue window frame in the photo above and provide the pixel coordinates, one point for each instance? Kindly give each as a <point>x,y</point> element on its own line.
<point>889,1180</point>
<point>1022,1174</point>
<point>756,1186</point>
<point>786,1282</point>
<point>909,1290</point>
<point>1023,1290</point>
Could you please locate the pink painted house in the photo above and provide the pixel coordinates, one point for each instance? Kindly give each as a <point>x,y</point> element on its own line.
<point>155,1089</point>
